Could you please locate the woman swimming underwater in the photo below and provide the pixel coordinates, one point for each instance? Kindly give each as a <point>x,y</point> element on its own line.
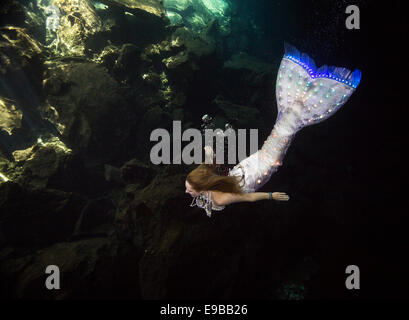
<point>305,96</point>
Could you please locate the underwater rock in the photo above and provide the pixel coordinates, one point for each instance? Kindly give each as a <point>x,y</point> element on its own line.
<point>156,52</point>
<point>188,53</point>
<point>155,117</point>
<point>151,6</point>
<point>50,164</point>
<point>90,268</point>
<point>217,8</point>
<point>129,56</point>
<point>214,34</point>
<point>52,24</point>
<point>164,47</point>
<point>18,50</point>
<point>123,62</point>
<point>35,20</point>
<point>37,217</point>
<point>195,49</point>
<point>196,14</point>
<point>247,81</point>
<point>96,219</point>
<point>21,68</point>
<point>130,21</point>
<point>153,80</point>
<point>183,52</point>
<point>34,166</point>
<point>10,116</point>
<point>113,174</point>
<point>23,154</point>
<point>177,60</point>
<point>243,34</point>
<point>11,13</point>
<point>167,184</point>
<point>212,30</point>
<point>128,66</point>
<point>174,18</point>
<point>179,5</point>
<point>78,20</point>
<point>52,86</point>
<point>244,63</point>
<point>197,21</point>
<point>107,57</point>
<point>240,116</point>
<point>196,45</point>
<point>135,171</point>
<point>62,26</point>
<point>154,273</point>
<point>82,112</point>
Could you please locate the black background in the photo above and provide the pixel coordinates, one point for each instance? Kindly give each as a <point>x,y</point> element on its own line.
<point>376,119</point>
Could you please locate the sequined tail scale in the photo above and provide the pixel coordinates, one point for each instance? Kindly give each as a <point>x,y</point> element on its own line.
<point>305,96</point>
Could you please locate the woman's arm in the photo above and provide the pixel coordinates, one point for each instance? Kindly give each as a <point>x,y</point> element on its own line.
<point>226,198</point>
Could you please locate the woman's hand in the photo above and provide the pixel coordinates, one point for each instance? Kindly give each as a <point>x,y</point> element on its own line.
<point>208,155</point>
<point>280,196</point>
<point>208,149</point>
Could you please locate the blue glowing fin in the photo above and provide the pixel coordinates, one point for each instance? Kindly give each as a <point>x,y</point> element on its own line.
<point>336,73</point>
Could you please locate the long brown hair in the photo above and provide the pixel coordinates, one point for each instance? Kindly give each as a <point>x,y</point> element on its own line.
<point>204,178</point>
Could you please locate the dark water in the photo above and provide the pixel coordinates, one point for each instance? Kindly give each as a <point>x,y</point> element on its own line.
<point>132,234</point>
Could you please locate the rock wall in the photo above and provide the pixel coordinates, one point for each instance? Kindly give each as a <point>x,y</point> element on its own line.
<point>82,86</point>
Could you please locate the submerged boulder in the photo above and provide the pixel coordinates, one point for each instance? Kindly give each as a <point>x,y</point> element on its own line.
<point>151,6</point>
<point>37,217</point>
<point>139,22</point>
<point>10,115</point>
<point>196,14</point>
<point>97,267</point>
<point>83,105</point>
<point>178,5</point>
<point>19,53</point>
<point>238,115</point>
<point>135,171</point>
<point>248,81</point>
<point>84,27</point>
<point>33,167</point>
<point>11,13</point>
<point>74,22</point>
<point>183,52</point>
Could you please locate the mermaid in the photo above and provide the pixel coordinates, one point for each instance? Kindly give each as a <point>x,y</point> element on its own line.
<point>305,96</point>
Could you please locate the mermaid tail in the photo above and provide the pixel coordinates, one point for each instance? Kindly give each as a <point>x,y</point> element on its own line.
<point>305,96</point>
